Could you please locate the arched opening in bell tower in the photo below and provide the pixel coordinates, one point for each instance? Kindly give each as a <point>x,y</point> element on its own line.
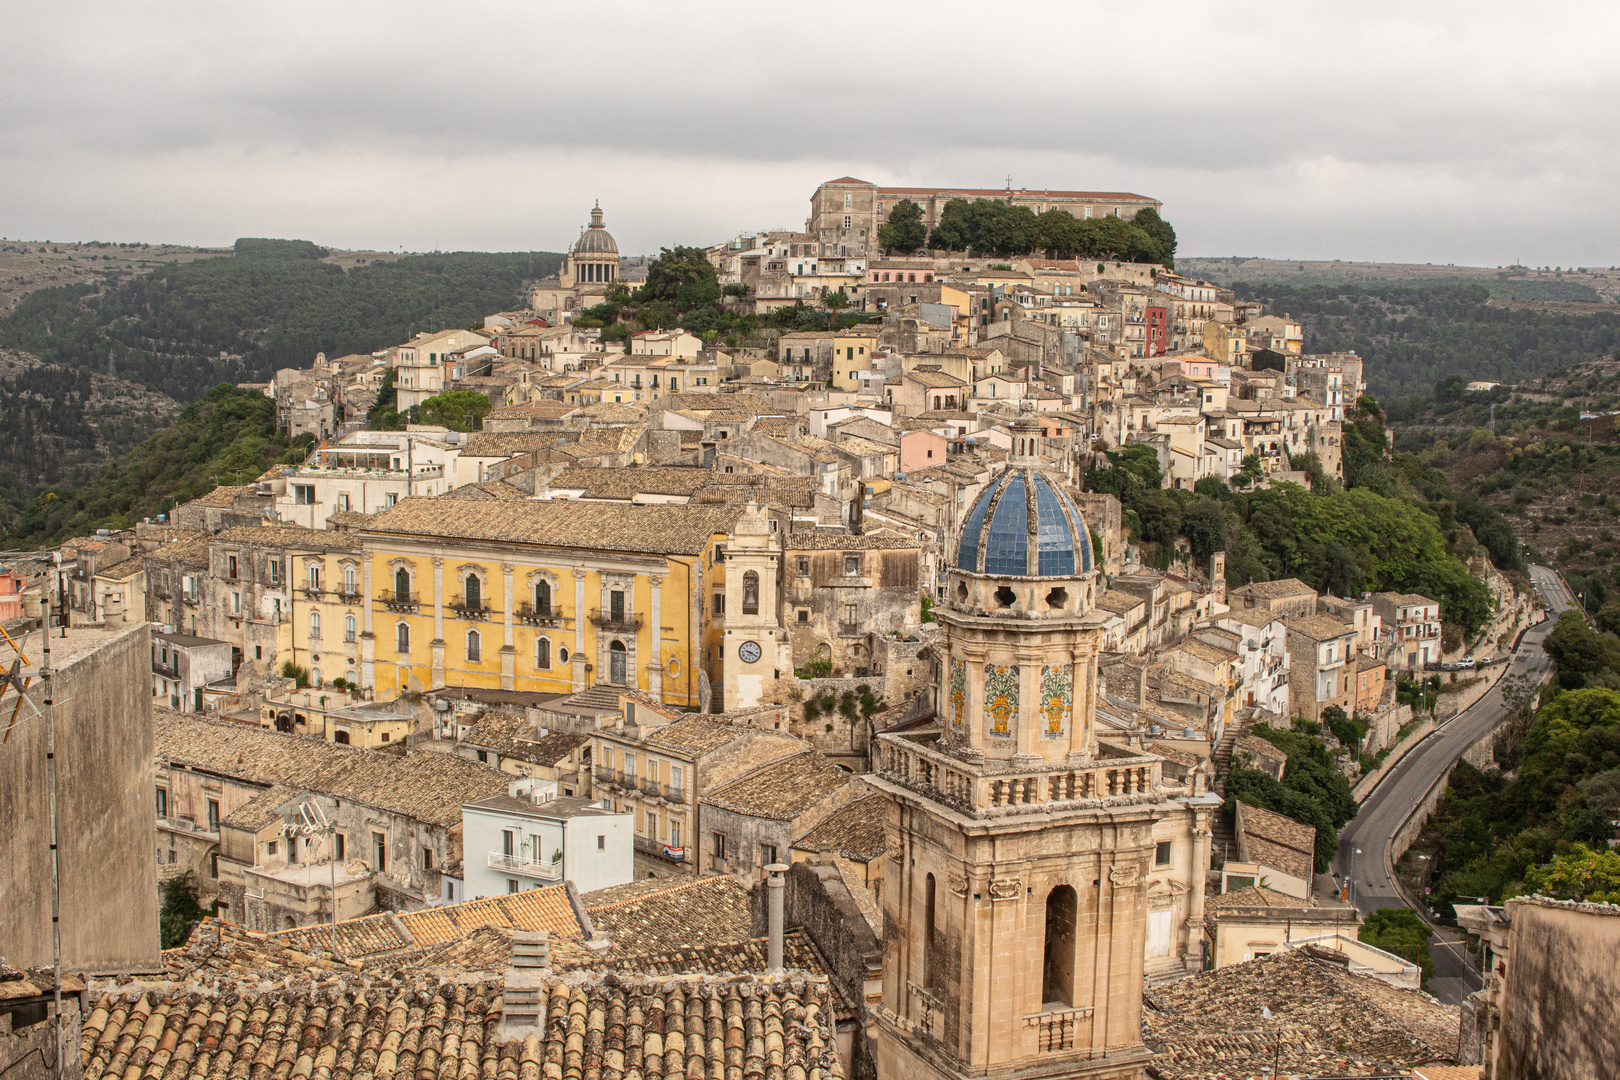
<point>929,967</point>
<point>1057,971</point>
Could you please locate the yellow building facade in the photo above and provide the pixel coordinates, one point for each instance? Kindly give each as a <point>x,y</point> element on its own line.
<point>543,596</point>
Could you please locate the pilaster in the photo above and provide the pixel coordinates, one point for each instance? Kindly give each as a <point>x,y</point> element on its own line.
<point>655,661</point>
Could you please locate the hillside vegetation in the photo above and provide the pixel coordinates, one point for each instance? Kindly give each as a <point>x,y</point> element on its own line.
<point>1396,523</point>
<point>1412,336</point>
<point>275,303</point>
<point>227,437</point>
<point>1495,832</point>
<point>97,369</point>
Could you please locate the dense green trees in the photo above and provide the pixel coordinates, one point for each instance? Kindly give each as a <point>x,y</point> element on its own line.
<point>458,410</point>
<point>1585,657</point>
<point>1343,541</point>
<point>905,231</point>
<point>682,277</point>
<point>1492,830</point>
<point>1400,931</point>
<point>228,437</point>
<point>180,911</point>
<point>994,227</point>
<point>1313,791</point>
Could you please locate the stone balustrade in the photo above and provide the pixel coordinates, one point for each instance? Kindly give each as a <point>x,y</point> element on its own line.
<point>996,788</point>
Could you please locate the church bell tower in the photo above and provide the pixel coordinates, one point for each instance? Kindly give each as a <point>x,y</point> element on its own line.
<point>1015,901</point>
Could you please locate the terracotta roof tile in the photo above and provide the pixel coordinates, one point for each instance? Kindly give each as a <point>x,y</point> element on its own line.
<point>745,1028</point>
<point>660,529</point>
<point>783,790</point>
<point>425,785</point>
<point>1323,1021</point>
<point>857,831</point>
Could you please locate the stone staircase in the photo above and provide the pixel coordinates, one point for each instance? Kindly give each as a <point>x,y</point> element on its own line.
<point>1223,755</point>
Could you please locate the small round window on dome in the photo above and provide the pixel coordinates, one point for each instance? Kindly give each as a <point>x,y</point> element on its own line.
<point>1058,598</point>
<point>961,591</point>
<point>1006,597</point>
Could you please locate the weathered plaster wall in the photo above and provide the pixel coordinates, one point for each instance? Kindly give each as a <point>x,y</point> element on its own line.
<point>106,814</point>
<point>1563,979</point>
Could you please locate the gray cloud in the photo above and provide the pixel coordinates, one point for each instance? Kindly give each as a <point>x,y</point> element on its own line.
<point>1434,132</point>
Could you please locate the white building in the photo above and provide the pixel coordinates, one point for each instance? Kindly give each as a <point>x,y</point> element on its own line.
<point>530,837</point>
<point>185,667</point>
<point>1263,656</point>
<point>367,471</point>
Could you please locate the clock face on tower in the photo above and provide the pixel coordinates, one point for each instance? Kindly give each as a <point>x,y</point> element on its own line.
<point>748,652</point>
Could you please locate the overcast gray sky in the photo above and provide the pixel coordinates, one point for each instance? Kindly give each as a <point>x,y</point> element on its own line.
<point>1447,132</point>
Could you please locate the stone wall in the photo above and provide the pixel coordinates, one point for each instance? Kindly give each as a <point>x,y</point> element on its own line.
<point>817,900</point>
<point>1561,985</point>
<point>106,811</point>
<point>1365,785</point>
<point>30,1052</point>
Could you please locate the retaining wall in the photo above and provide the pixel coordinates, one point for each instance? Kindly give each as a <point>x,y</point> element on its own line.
<point>1365,785</point>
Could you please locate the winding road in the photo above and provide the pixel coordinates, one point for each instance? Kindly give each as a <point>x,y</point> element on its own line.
<point>1364,842</point>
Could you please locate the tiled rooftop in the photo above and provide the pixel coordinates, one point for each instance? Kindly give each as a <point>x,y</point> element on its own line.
<point>693,735</point>
<point>1276,590</point>
<point>624,483</point>
<point>1324,1022</point>
<point>288,536</point>
<point>424,785</point>
<point>1279,842</point>
<point>512,736</point>
<point>658,915</point>
<point>855,831</point>
<point>783,790</point>
<point>1320,627</point>
<point>659,529</point>
<point>745,1028</point>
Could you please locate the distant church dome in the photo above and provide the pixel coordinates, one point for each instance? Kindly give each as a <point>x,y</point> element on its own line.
<point>1023,525</point>
<point>596,240</point>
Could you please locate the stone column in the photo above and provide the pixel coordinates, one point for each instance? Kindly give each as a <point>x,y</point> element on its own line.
<point>437,644</point>
<point>655,662</point>
<point>577,659</point>
<point>508,652</point>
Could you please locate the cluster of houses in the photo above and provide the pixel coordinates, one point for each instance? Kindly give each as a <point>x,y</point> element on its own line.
<point>685,623</point>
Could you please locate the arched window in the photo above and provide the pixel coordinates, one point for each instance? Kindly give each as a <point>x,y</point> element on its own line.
<point>402,637</point>
<point>929,929</point>
<point>402,585</point>
<point>542,653</point>
<point>472,591</point>
<point>348,581</point>
<point>750,593</point>
<point>314,577</point>
<point>542,597</point>
<point>473,654</point>
<point>348,628</point>
<point>314,624</point>
<point>315,677</point>
<point>1057,973</point>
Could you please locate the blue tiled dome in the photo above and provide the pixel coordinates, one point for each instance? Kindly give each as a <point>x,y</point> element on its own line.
<point>1024,526</point>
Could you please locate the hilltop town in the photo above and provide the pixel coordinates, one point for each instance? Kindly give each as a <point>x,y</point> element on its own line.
<point>785,697</point>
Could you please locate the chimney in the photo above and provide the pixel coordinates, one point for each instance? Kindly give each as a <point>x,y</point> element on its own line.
<point>773,908</point>
<point>523,997</point>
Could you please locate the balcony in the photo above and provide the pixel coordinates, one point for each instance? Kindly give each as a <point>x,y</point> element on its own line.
<point>621,621</point>
<point>309,594</point>
<point>476,611</point>
<point>349,594</point>
<point>400,603</point>
<point>527,867</point>
<point>649,846</point>
<point>530,615</point>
